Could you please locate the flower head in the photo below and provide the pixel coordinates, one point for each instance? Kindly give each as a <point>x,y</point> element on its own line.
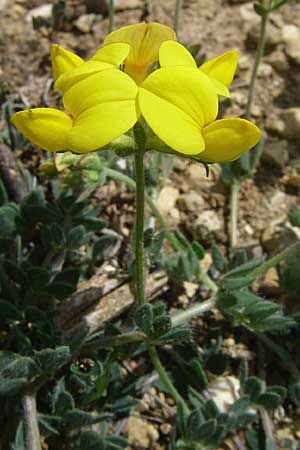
<point>145,40</point>
<point>187,102</point>
<point>94,116</point>
<point>63,60</point>
<point>220,69</point>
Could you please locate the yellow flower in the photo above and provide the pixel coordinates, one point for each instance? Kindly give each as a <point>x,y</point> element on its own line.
<point>220,69</point>
<point>63,60</point>
<point>100,109</point>
<point>180,104</point>
<point>145,40</point>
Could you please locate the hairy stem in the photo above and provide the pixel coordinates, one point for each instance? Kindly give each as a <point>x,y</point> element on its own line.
<point>178,8</point>
<point>166,380</point>
<point>194,311</point>
<point>31,427</point>
<point>259,54</point>
<point>164,227</point>
<point>111,15</point>
<point>139,228</point>
<point>272,262</point>
<point>139,269</point>
<point>234,207</point>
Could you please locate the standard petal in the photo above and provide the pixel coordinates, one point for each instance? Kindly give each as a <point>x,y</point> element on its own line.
<point>171,53</point>
<point>45,127</point>
<point>108,86</point>
<point>171,124</point>
<point>226,139</point>
<point>63,60</point>
<point>222,67</point>
<point>85,70</point>
<point>101,124</point>
<point>114,53</point>
<point>145,40</point>
<point>186,89</point>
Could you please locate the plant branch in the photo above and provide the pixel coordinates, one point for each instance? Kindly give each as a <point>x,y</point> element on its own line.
<point>194,311</point>
<point>258,56</point>
<point>234,206</point>
<point>178,8</point>
<point>111,15</point>
<point>139,228</point>
<point>165,378</point>
<point>164,227</point>
<point>31,427</point>
<point>272,262</point>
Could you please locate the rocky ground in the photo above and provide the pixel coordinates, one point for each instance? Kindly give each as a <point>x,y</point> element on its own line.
<point>189,200</point>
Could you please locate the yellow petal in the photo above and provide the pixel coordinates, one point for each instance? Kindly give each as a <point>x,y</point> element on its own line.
<point>85,70</point>
<point>177,103</point>
<point>108,86</point>
<point>222,67</point>
<point>186,89</point>
<point>45,127</point>
<point>173,126</point>
<point>145,40</point>
<point>226,139</point>
<point>112,54</point>
<point>63,60</point>
<point>101,124</point>
<point>171,53</point>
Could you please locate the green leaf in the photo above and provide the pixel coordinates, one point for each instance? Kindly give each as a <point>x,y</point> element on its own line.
<point>76,237</point>
<point>8,311</point>
<point>270,400</point>
<point>3,194</point>
<point>240,406</point>
<point>161,325</point>
<point>279,390</point>
<point>77,418</point>
<point>50,360</point>
<point>11,386</point>
<point>219,259</point>
<point>198,250</point>
<point>199,372</point>
<point>63,402</point>
<point>259,9</point>
<point>8,215</point>
<point>144,318</point>
<point>235,283</point>
<point>211,409</point>
<point>205,431</point>
<point>57,237</point>
<point>294,216</point>
<point>254,387</point>
<point>90,440</point>
<point>20,367</point>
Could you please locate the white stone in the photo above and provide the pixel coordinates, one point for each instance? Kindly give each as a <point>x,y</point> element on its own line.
<point>44,11</point>
<point>210,220</point>
<point>291,39</point>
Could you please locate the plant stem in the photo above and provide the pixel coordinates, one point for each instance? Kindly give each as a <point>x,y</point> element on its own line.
<point>112,341</point>
<point>111,15</point>
<point>168,233</point>
<point>31,427</point>
<point>272,262</point>
<point>178,8</point>
<point>234,206</point>
<point>193,311</point>
<point>139,227</point>
<point>165,378</point>
<point>258,56</point>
